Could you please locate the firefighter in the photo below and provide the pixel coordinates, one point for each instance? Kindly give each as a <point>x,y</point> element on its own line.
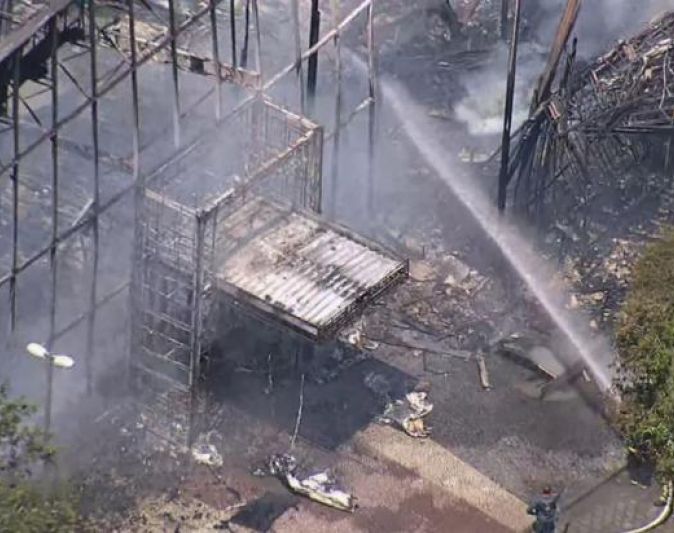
<point>545,509</point>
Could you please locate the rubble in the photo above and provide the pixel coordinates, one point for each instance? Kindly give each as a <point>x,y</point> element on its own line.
<point>355,337</point>
<point>409,414</point>
<point>422,271</point>
<point>592,165</point>
<point>320,487</point>
<point>204,451</point>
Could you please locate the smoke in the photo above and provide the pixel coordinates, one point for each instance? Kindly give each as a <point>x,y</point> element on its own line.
<point>601,22</point>
<point>482,107</point>
<point>600,25</point>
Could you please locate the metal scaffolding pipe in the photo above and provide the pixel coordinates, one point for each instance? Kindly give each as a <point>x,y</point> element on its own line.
<point>15,186</point>
<point>54,181</point>
<point>244,49</point>
<point>298,50</point>
<point>216,60</point>
<point>174,72</point>
<point>232,29</point>
<point>334,166</point>
<point>312,67</point>
<point>96,198</point>
<point>371,125</point>
<point>505,5</point>
<point>134,91</point>
<point>258,42</point>
<point>508,115</point>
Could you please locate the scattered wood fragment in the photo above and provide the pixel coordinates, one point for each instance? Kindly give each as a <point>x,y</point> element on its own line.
<point>484,375</point>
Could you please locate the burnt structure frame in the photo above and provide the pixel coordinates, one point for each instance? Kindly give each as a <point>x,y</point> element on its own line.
<point>61,20</point>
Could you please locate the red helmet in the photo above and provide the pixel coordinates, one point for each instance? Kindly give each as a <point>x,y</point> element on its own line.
<point>547,491</point>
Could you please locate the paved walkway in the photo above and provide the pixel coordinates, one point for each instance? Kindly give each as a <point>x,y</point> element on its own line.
<point>409,485</point>
<point>615,505</point>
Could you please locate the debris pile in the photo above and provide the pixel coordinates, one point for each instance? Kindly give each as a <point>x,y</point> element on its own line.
<point>592,165</point>
<point>320,487</point>
<point>409,414</point>
<point>587,143</point>
<point>204,451</point>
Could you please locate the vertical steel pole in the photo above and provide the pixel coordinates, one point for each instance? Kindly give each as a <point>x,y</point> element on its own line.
<point>16,61</point>
<point>508,115</point>
<point>91,323</point>
<point>54,180</point>
<point>232,29</point>
<point>138,180</point>
<point>134,91</point>
<point>258,42</point>
<point>48,399</point>
<point>298,50</point>
<point>195,356</point>
<point>312,67</point>
<point>505,4</point>
<point>371,112</point>
<point>174,70</point>
<point>334,175</point>
<point>244,49</point>
<point>216,61</point>
<point>371,68</point>
<point>54,219</point>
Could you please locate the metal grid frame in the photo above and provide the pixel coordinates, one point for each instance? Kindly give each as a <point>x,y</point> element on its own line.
<point>178,247</point>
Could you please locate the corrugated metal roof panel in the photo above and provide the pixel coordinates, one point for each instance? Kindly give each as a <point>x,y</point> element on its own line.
<point>301,270</point>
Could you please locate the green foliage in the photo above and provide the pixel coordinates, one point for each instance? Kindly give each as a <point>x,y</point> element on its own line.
<point>646,349</point>
<point>24,508</point>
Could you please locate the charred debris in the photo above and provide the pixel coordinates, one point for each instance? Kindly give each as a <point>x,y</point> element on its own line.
<point>591,168</point>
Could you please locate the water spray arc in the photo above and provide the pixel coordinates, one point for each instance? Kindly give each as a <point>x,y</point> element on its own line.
<point>534,272</point>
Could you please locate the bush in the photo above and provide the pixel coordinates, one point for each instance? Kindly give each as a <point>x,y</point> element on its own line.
<point>645,342</point>
<point>24,507</point>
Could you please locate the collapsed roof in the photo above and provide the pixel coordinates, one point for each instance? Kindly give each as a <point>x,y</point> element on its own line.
<point>600,130</point>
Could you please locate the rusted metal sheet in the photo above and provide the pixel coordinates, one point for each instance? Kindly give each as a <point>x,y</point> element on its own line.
<point>301,271</point>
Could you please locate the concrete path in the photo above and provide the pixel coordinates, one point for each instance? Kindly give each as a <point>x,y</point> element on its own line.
<point>408,485</point>
<point>614,506</point>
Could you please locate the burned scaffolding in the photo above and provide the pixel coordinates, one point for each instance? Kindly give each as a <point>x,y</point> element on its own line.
<point>85,89</point>
<point>597,140</point>
<point>236,223</point>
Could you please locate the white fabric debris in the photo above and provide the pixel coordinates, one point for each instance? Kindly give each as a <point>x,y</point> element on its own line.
<point>320,487</point>
<point>204,451</point>
<point>408,414</point>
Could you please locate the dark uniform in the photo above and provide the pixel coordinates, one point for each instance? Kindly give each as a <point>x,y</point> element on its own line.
<point>545,510</point>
